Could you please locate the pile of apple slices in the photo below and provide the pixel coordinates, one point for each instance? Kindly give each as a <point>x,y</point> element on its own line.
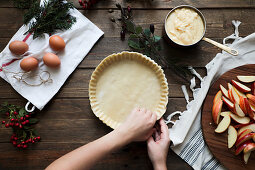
<point>240,101</point>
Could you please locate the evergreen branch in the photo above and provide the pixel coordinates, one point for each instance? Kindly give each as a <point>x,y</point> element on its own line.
<point>23,3</point>
<point>52,16</point>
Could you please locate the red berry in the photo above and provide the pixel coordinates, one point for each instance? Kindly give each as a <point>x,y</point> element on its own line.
<point>14,143</point>
<point>3,122</point>
<point>22,118</point>
<point>15,113</point>
<point>33,141</point>
<point>22,142</point>
<point>24,146</point>
<point>23,123</point>
<point>38,138</point>
<point>27,121</point>
<point>29,140</point>
<point>15,138</point>
<point>11,124</point>
<point>27,116</point>
<point>19,145</point>
<point>7,125</point>
<point>7,114</point>
<point>16,124</point>
<point>12,120</point>
<point>20,126</point>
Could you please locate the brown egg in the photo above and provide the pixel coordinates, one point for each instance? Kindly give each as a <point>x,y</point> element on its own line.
<point>57,43</point>
<point>51,60</point>
<point>18,47</point>
<point>29,63</point>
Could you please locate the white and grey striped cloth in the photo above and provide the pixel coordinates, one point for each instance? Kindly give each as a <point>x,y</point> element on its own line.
<point>186,133</point>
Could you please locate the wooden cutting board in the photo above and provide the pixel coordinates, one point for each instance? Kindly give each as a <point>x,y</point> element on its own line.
<point>217,143</point>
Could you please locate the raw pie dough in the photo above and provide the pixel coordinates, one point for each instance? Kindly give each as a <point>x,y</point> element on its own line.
<point>124,81</point>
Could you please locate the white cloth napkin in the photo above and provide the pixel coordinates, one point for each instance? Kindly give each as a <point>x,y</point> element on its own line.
<point>186,133</point>
<point>79,40</point>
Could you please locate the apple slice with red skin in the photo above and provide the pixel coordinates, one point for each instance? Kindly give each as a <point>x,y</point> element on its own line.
<point>250,126</point>
<point>246,157</point>
<point>239,111</point>
<point>251,98</point>
<point>240,120</point>
<point>246,79</point>
<point>231,98</point>
<point>228,103</point>
<point>239,93</point>
<point>249,148</point>
<point>253,138</point>
<point>232,136</point>
<point>241,147</point>
<point>224,91</point>
<point>242,125</point>
<point>249,110</point>
<point>244,138</point>
<point>242,104</point>
<point>252,107</point>
<point>241,87</point>
<point>245,132</point>
<point>217,96</point>
<point>235,96</point>
<point>224,124</point>
<point>253,88</point>
<point>216,110</point>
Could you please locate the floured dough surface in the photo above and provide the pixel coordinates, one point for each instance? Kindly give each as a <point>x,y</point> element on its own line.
<point>124,85</point>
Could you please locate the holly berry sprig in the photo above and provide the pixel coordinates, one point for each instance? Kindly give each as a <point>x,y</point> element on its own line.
<point>86,4</point>
<point>21,123</point>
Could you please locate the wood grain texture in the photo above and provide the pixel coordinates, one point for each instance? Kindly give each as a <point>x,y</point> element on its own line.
<point>160,4</point>
<point>217,143</point>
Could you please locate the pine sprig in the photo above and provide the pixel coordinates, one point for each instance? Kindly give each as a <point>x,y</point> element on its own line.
<point>146,42</point>
<point>52,16</point>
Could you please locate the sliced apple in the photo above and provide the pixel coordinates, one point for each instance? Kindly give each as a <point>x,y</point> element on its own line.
<point>253,88</point>
<point>246,79</point>
<point>246,157</point>
<point>249,148</point>
<point>223,125</point>
<point>244,138</point>
<point>238,110</point>
<point>249,110</point>
<point>239,93</point>
<point>252,106</point>
<point>242,104</point>
<point>250,126</point>
<point>224,91</point>
<point>217,97</point>
<point>232,136</point>
<point>253,138</point>
<point>245,132</point>
<point>251,98</point>
<point>242,125</point>
<point>235,96</point>
<point>228,103</point>
<point>241,87</point>
<point>241,147</point>
<point>216,110</point>
<point>241,120</point>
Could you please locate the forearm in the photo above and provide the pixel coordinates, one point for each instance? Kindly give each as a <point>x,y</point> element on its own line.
<point>160,167</point>
<point>86,156</point>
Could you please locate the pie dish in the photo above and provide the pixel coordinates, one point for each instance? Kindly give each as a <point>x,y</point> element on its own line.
<point>124,81</point>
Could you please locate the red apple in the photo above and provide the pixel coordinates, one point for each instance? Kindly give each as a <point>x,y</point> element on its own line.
<point>245,132</point>
<point>250,126</point>
<point>216,111</point>
<point>217,97</point>
<point>241,147</point>
<point>249,148</point>
<point>228,103</point>
<point>232,136</point>
<point>241,87</point>
<point>244,138</point>
<point>242,104</point>
<point>223,125</point>
<point>224,91</point>
<point>253,88</point>
<point>239,111</point>
<point>246,79</point>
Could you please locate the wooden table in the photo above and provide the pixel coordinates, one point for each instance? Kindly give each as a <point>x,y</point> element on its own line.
<point>67,122</point>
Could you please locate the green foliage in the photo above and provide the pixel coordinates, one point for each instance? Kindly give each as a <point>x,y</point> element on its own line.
<point>52,16</point>
<point>23,3</point>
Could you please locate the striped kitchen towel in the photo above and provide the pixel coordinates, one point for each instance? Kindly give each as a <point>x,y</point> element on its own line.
<point>186,133</point>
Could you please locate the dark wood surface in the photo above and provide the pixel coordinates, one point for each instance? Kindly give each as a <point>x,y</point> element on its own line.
<point>218,142</point>
<point>67,122</point>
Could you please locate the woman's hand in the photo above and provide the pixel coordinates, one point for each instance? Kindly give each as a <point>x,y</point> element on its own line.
<point>158,148</point>
<point>138,125</point>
